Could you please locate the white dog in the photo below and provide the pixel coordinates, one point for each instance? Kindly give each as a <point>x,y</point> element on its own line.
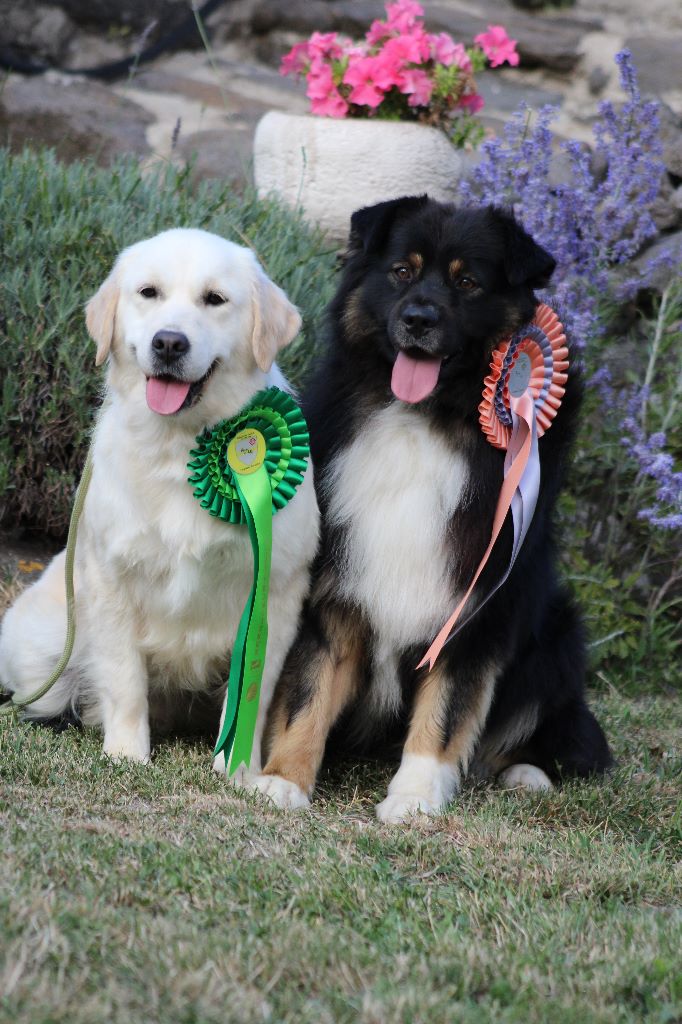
<point>191,326</point>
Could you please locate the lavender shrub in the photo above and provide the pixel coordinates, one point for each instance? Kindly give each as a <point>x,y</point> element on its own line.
<point>594,228</point>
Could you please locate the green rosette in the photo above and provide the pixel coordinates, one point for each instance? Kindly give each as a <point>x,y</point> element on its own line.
<point>278,418</point>
<point>243,471</point>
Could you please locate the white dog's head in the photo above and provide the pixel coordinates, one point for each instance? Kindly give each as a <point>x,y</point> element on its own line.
<point>185,316</point>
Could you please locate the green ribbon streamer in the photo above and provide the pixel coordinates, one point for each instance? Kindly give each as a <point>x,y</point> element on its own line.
<point>248,654</point>
<point>239,494</point>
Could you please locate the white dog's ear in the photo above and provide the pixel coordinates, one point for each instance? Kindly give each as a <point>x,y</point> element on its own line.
<point>276,321</point>
<point>100,316</point>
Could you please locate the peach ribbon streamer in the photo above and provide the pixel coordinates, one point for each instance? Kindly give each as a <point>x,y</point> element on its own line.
<point>519,492</point>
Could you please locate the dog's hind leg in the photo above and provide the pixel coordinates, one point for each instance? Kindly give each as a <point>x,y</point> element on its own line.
<point>568,743</point>
<point>449,710</point>
<point>319,680</point>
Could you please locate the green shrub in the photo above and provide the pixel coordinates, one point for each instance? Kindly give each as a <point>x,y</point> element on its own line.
<point>62,228</point>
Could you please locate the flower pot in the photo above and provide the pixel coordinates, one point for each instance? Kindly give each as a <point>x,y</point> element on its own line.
<point>329,167</point>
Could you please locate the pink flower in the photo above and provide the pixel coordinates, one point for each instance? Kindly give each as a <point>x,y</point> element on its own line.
<point>497,46</point>
<point>471,102</point>
<point>295,61</point>
<point>325,44</point>
<point>362,74</point>
<point>377,32</point>
<point>418,86</point>
<point>333,105</point>
<point>325,98</point>
<point>408,49</point>
<point>403,14</point>
<point>447,52</point>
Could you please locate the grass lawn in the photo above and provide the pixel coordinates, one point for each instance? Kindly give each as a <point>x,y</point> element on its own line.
<point>156,893</point>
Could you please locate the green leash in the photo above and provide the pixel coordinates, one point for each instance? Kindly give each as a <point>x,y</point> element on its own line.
<point>15,703</point>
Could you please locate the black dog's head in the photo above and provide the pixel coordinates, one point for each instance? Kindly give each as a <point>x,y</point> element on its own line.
<point>430,289</point>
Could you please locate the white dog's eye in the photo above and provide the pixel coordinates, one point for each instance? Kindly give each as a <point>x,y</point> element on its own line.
<point>214,299</point>
<point>149,292</point>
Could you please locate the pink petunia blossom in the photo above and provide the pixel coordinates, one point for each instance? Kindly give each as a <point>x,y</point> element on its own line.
<point>377,32</point>
<point>497,46</point>
<point>361,74</point>
<point>332,105</point>
<point>407,49</point>
<point>418,86</point>
<point>448,52</point>
<point>325,44</point>
<point>325,98</point>
<point>403,14</point>
<point>472,102</point>
<point>295,61</point>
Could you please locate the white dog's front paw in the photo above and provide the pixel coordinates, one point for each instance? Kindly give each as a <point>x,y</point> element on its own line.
<point>402,806</point>
<point>284,794</point>
<point>524,776</point>
<point>120,749</point>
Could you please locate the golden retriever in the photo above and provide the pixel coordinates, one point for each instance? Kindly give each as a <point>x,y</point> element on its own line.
<point>190,325</point>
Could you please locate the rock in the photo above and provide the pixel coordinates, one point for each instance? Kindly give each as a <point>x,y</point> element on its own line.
<point>168,14</point>
<point>671,134</point>
<point>31,30</point>
<point>665,269</point>
<point>665,213</point>
<point>78,119</point>
<point>227,155</point>
<point>505,94</point>
<point>659,68</point>
<point>597,80</point>
<point>537,5</point>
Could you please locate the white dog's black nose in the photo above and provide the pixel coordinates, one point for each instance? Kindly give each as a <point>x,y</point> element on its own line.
<point>169,346</point>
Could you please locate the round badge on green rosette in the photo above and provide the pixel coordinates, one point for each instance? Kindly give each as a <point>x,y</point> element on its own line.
<point>278,418</point>
<point>243,471</point>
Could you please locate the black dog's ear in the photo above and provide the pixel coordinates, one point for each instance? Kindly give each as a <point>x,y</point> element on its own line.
<point>369,227</point>
<point>525,262</point>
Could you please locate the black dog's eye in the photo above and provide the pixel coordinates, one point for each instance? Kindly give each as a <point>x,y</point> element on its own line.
<point>403,271</point>
<point>149,292</point>
<point>214,299</point>
<point>467,284</point>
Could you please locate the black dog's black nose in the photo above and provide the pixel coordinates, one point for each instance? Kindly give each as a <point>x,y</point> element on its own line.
<point>170,345</point>
<point>419,317</point>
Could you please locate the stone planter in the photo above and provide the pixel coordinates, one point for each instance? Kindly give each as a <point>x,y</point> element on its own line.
<point>329,167</point>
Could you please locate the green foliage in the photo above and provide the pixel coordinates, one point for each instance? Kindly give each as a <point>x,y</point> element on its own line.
<point>62,228</point>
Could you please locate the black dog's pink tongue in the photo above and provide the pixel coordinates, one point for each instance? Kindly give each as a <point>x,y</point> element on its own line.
<point>166,396</point>
<point>414,379</point>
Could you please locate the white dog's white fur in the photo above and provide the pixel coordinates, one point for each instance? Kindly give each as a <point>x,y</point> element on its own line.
<point>160,584</point>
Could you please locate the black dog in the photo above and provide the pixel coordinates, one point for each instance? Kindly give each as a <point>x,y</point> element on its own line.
<point>408,486</point>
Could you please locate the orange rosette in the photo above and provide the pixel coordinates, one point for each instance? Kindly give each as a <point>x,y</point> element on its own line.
<point>544,343</point>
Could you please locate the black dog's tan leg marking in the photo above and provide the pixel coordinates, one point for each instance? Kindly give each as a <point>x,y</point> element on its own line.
<point>318,682</point>
<point>438,746</point>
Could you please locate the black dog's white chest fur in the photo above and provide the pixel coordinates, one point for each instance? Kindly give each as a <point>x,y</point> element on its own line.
<point>392,493</point>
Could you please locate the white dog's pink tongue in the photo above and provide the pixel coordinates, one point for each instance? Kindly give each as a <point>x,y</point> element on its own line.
<point>166,396</point>
<point>414,379</point>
